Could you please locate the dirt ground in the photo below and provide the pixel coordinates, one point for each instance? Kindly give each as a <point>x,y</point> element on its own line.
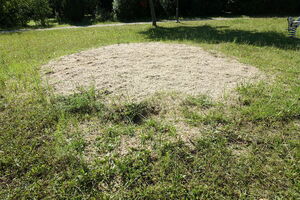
<point>142,69</point>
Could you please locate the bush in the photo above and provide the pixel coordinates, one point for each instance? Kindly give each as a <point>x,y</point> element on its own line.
<point>40,11</point>
<point>14,12</point>
<point>103,10</point>
<point>130,9</point>
<point>135,9</point>
<point>76,10</point>
<point>73,10</point>
<point>20,12</point>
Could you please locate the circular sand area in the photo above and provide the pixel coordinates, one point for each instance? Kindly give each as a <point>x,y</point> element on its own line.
<point>141,69</point>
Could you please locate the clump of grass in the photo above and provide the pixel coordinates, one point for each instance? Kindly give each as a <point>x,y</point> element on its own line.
<point>85,102</point>
<point>200,101</point>
<point>264,103</point>
<point>201,109</point>
<point>211,118</point>
<point>159,127</point>
<point>131,112</point>
<point>110,138</point>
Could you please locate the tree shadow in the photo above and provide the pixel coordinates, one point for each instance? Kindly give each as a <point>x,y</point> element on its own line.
<point>222,34</point>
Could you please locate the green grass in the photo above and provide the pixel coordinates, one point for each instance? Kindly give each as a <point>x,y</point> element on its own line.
<point>53,23</point>
<point>89,146</point>
<point>87,21</point>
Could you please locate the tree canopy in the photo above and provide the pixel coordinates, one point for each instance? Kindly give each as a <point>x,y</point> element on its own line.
<point>20,12</point>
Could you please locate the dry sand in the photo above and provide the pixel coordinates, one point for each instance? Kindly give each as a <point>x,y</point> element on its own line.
<point>142,69</point>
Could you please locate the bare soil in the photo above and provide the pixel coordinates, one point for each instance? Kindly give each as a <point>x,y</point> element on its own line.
<point>142,69</point>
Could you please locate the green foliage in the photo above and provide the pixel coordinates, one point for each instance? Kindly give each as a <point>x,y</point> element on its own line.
<point>73,10</point>
<point>104,10</point>
<point>76,11</point>
<point>14,12</point>
<point>126,10</point>
<point>131,9</point>
<point>40,11</point>
<point>19,12</point>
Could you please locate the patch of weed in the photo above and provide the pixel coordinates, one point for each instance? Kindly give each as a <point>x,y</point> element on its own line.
<point>201,101</point>
<point>131,112</point>
<point>159,127</point>
<point>213,117</point>
<point>85,102</point>
<point>264,103</point>
<point>110,138</point>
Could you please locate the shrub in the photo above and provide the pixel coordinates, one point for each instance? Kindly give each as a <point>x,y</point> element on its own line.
<point>103,10</point>
<point>130,9</point>
<point>76,10</point>
<point>56,6</point>
<point>14,12</point>
<point>40,11</point>
<point>73,10</point>
<point>19,12</point>
<point>134,9</point>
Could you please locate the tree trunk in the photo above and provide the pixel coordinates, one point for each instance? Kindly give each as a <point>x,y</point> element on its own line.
<point>177,11</point>
<point>153,15</point>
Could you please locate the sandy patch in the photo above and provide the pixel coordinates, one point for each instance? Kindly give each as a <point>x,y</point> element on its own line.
<point>142,69</point>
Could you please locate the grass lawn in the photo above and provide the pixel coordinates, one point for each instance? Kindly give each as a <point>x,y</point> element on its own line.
<point>170,146</point>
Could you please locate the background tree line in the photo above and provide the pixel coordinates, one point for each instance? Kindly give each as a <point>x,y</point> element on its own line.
<point>20,12</point>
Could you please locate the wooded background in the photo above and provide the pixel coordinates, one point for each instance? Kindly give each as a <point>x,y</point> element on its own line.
<point>20,12</point>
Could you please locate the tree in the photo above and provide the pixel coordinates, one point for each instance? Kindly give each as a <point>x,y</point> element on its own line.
<point>14,12</point>
<point>177,11</point>
<point>153,15</point>
<point>40,11</point>
<point>73,10</point>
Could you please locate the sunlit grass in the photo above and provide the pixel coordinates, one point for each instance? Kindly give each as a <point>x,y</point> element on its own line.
<point>89,146</point>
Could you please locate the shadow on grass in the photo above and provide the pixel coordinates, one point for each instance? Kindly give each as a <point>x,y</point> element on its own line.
<point>222,34</point>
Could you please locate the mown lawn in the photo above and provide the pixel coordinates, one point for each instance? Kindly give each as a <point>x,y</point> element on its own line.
<point>170,146</point>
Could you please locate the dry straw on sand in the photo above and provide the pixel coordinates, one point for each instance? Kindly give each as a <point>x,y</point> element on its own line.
<point>142,69</point>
